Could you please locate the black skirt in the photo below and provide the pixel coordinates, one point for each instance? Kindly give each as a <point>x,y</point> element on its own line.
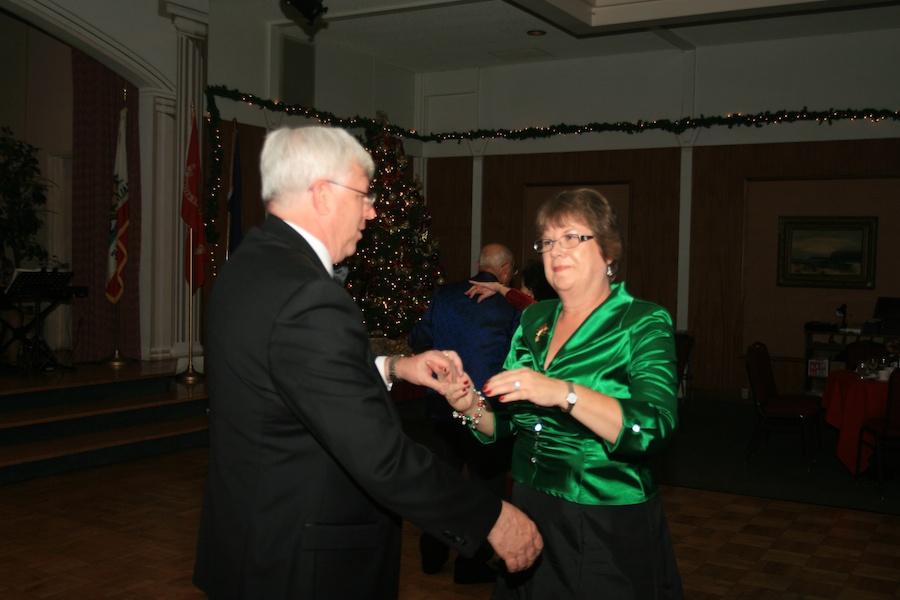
<point>597,552</point>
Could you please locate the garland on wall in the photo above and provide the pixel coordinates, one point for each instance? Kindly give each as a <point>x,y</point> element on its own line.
<point>374,128</point>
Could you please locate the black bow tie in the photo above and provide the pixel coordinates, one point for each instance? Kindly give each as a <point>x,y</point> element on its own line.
<point>340,274</point>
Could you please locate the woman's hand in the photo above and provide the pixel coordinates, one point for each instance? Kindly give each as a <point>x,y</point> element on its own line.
<point>485,289</point>
<point>599,412</point>
<point>526,384</point>
<point>459,393</point>
<point>471,407</point>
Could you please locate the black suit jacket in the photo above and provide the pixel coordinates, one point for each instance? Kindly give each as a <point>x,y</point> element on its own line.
<point>309,470</point>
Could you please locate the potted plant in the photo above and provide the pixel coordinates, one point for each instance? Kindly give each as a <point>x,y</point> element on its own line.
<point>23,194</point>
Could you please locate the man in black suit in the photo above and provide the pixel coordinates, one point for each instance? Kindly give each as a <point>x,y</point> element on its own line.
<point>310,472</point>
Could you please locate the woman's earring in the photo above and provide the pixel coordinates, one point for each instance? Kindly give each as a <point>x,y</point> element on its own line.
<point>609,271</point>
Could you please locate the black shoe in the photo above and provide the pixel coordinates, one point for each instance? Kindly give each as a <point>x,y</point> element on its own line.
<point>434,554</point>
<point>466,572</point>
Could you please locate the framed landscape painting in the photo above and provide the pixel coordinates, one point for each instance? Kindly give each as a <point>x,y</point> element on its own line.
<point>829,252</point>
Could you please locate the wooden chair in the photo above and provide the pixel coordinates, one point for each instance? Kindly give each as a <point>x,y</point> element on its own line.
<point>879,433</point>
<point>684,346</point>
<point>779,412</point>
<point>862,350</point>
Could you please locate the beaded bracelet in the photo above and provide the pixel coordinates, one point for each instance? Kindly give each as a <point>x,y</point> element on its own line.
<point>472,422</point>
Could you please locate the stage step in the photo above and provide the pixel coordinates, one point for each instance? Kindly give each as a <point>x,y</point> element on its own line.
<point>79,444</point>
<point>79,410</point>
<point>86,419</point>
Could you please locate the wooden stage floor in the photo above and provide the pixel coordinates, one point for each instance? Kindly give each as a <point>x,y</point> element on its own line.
<point>13,380</point>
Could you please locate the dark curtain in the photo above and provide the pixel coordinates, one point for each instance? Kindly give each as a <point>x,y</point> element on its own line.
<point>98,98</point>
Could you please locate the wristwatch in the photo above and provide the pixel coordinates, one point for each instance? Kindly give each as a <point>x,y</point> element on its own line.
<point>571,398</point>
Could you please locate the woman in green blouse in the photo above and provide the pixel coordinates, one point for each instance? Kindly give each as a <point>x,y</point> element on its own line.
<point>589,391</point>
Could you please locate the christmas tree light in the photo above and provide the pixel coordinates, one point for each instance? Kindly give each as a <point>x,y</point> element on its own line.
<point>395,268</point>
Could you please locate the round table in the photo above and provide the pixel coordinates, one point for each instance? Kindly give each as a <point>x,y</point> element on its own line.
<point>848,401</point>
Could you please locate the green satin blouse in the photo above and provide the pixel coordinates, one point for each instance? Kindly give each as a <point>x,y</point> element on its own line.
<point>626,350</point>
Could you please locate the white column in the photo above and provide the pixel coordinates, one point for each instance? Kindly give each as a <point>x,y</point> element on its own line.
<point>477,205</point>
<point>58,327</point>
<point>191,19</point>
<point>158,276</point>
<point>477,147</point>
<point>684,237</point>
<point>686,140</point>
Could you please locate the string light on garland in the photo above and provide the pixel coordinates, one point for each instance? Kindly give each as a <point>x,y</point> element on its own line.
<point>373,127</point>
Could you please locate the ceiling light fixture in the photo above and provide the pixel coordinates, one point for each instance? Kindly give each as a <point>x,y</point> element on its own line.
<point>311,9</point>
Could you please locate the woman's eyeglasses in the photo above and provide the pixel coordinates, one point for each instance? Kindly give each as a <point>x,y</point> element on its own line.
<point>570,240</point>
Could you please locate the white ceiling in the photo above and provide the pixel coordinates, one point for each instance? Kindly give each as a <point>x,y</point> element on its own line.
<point>442,35</point>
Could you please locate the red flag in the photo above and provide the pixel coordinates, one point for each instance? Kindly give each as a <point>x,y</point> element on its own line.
<point>190,212</point>
<point>119,219</point>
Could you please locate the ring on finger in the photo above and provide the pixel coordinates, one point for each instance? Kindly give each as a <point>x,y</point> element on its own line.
<point>517,385</point>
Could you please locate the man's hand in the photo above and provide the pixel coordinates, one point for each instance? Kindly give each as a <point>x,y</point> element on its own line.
<point>431,369</point>
<point>515,538</point>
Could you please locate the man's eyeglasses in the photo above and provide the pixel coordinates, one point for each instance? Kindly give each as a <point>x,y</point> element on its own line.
<point>570,240</point>
<point>368,197</point>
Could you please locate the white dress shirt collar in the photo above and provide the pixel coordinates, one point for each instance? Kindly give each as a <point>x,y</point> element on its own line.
<point>317,246</point>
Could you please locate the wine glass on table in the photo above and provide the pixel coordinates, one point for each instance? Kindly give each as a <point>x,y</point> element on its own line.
<point>862,369</point>
<point>872,366</point>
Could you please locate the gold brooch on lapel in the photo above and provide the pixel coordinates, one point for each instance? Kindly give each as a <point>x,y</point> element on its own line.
<point>541,332</point>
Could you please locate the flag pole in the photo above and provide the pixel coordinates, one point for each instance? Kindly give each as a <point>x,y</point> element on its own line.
<point>192,172</point>
<point>189,375</point>
<point>117,361</point>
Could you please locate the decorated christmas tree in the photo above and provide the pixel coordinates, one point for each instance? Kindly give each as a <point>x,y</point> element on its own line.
<point>395,268</point>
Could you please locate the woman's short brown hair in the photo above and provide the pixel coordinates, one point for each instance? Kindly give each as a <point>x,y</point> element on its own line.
<point>591,208</point>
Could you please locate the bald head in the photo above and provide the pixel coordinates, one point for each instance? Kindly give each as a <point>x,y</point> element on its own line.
<point>497,259</point>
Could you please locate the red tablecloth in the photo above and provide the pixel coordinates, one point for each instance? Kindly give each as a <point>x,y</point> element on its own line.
<point>848,401</point>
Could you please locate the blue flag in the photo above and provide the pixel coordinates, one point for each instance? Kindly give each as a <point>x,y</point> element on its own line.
<point>235,198</point>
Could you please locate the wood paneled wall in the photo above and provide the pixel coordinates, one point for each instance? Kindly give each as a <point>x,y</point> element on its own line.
<point>652,236</point>
<point>253,213</point>
<point>720,176</point>
<point>448,196</point>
